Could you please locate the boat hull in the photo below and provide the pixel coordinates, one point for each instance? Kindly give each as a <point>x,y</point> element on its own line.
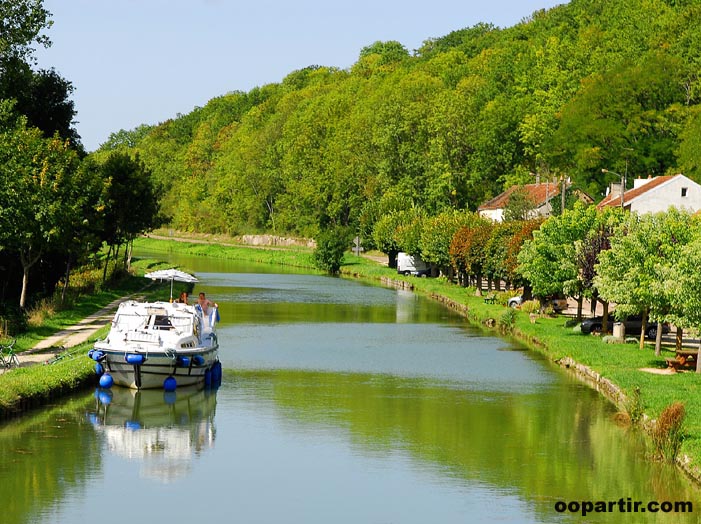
<point>187,369</point>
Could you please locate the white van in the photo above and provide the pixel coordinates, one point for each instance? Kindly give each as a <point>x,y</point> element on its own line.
<point>412,265</point>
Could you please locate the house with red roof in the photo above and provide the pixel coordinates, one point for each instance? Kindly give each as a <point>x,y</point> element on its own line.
<point>651,195</point>
<point>540,194</point>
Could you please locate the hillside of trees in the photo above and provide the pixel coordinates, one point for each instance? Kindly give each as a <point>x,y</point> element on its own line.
<point>587,85</point>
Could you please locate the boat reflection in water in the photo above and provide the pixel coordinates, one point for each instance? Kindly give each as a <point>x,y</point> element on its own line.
<point>164,431</point>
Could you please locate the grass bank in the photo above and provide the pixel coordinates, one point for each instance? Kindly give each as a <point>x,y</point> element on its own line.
<point>25,388</point>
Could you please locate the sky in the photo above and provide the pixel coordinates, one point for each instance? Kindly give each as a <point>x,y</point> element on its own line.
<point>136,62</point>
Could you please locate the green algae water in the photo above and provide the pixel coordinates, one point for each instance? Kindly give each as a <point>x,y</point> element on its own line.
<point>345,403</point>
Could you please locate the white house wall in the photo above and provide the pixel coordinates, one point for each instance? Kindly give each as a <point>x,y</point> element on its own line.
<point>669,195</point>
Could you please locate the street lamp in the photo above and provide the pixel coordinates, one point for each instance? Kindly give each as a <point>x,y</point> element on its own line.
<point>623,183</point>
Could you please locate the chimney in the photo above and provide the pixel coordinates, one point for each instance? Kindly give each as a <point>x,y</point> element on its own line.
<point>615,190</point>
<point>639,182</point>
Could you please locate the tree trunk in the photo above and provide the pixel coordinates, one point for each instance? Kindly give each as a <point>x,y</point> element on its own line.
<point>698,355</point>
<point>127,254</point>
<point>580,304</point>
<point>27,262</point>
<point>392,259</point>
<point>679,338</point>
<point>107,263</point>
<point>68,275</point>
<point>605,320</point>
<point>658,340</point>
<point>643,328</point>
<point>25,286</point>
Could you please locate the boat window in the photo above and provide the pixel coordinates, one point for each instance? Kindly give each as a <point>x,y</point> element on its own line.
<point>162,322</point>
<point>182,323</point>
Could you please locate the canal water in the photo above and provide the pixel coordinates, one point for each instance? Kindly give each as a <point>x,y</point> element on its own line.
<point>341,402</point>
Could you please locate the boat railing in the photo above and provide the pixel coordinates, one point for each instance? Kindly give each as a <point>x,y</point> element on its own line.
<point>142,336</point>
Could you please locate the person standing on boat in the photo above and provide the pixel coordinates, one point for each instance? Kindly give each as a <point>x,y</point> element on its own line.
<point>205,303</point>
<point>208,317</point>
<point>183,298</point>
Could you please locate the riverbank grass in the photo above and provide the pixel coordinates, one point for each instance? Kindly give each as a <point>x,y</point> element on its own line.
<point>27,387</point>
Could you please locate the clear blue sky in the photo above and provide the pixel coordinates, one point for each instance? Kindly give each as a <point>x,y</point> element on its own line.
<point>138,62</point>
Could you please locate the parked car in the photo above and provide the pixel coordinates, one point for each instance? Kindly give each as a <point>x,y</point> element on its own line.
<point>412,265</point>
<point>632,324</point>
<point>559,304</point>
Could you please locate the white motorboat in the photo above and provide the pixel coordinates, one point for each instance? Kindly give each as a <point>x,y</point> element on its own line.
<point>159,345</point>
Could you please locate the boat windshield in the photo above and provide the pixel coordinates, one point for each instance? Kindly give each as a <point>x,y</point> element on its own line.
<point>177,322</point>
<point>158,321</point>
<point>128,322</point>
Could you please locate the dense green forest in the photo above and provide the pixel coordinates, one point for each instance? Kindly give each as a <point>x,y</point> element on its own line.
<point>587,85</point>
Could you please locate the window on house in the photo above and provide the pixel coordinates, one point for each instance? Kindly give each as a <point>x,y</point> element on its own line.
<point>684,191</point>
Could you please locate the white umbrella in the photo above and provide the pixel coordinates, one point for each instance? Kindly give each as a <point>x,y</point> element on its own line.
<point>172,275</point>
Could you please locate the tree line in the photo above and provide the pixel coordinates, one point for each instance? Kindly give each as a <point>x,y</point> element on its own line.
<point>645,264</point>
<point>397,138</point>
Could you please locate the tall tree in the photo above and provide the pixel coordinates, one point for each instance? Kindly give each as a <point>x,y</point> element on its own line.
<point>37,195</point>
<point>130,199</point>
<point>43,97</point>
<point>549,260</point>
<point>633,272</point>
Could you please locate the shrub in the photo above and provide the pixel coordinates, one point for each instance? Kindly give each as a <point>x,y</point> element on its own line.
<point>667,435</point>
<point>634,406</point>
<point>549,311</point>
<point>530,306</point>
<point>40,311</point>
<point>507,319</point>
<point>330,248</point>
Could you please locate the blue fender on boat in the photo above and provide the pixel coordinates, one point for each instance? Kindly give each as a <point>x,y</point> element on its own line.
<point>198,360</point>
<point>97,355</point>
<point>184,362</point>
<point>134,358</point>
<point>106,381</point>
<point>99,370</point>
<point>169,384</point>
<point>216,373</point>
